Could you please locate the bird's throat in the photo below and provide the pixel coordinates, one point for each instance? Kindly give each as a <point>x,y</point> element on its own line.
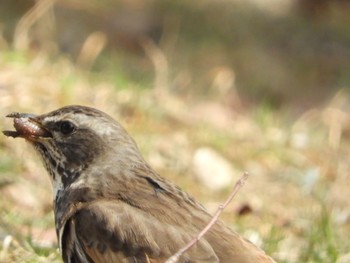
<point>57,185</point>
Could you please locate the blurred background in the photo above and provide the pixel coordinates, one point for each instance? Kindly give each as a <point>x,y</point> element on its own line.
<point>208,89</point>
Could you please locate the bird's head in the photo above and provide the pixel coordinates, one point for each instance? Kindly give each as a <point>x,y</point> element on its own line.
<point>72,138</point>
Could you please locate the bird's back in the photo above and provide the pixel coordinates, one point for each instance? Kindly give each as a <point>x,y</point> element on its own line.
<point>150,225</point>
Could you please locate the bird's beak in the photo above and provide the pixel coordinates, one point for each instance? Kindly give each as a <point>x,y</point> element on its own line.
<point>28,126</point>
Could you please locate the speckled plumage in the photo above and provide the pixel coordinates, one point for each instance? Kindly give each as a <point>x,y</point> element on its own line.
<point>110,205</point>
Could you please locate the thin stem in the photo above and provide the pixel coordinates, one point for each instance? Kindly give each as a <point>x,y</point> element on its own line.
<point>174,258</point>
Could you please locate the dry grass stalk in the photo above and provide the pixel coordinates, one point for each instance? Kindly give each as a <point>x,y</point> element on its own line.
<point>215,218</point>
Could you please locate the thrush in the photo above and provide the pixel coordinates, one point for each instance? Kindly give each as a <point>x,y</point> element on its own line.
<point>110,205</point>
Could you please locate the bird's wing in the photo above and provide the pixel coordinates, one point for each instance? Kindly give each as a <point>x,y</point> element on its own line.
<point>147,225</point>
<point>112,231</point>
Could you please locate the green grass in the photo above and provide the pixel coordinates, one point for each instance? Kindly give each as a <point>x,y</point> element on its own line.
<point>321,239</point>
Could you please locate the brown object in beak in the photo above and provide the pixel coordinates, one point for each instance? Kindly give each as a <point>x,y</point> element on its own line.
<point>27,126</point>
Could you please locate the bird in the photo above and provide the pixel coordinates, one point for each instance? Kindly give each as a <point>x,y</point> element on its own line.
<point>110,205</point>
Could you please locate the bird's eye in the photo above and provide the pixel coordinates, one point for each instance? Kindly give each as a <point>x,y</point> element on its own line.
<point>67,127</point>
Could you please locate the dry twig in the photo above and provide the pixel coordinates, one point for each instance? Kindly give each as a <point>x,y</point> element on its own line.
<point>174,258</point>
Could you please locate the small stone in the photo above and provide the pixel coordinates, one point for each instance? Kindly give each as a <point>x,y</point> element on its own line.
<point>212,169</point>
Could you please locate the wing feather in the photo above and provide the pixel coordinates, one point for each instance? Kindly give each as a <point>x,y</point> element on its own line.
<point>122,233</point>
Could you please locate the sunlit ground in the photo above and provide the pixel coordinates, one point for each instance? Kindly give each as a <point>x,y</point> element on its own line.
<point>295,204</point>
<point>297,189</point>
